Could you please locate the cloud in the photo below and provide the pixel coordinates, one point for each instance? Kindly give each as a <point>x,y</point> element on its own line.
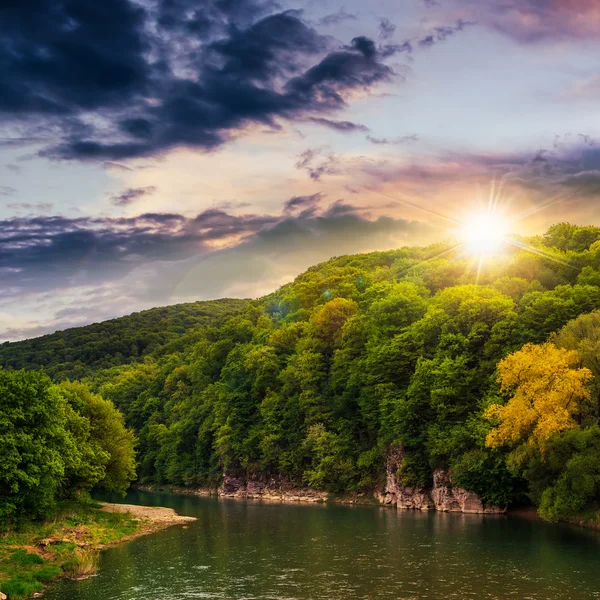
<point>117,166</point>
<point>535,21</point>
<point>177,76</point>
<point>341,126</point>
<point>131,195</point>
<point>339,17</point>
<point>318,162</point>
<point>303,204</point>
<point>108,267</point>
<point>37,208</point>
<point>386,29</point>
<point>6,190</point>
<point>405,139</point>
<point>441,33</point>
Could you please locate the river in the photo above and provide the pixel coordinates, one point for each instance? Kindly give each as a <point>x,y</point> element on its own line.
<point>254,550</point>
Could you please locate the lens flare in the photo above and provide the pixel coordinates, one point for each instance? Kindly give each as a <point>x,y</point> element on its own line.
<point>484,234</point>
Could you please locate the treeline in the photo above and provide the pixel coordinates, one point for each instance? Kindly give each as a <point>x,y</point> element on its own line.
<point>409,347</point>
<point>78,352</point>
<point>57,441</point>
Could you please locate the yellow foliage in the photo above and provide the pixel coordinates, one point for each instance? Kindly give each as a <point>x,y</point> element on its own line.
<point>546,389</point>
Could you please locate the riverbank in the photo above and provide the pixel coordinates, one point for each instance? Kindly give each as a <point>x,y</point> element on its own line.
<point>68,544</point>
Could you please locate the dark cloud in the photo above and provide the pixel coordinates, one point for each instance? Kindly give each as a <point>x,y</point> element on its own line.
<point>43,253</point>
<point>391,49</point>
<point>386,29</point>
<point>441,33</point>
<point>262,262</point>
<point>118,80</point>
<point>304,204</point>
<point>48,251</point>
<point>339,17</point>
<point>341,126</point>
<point>405,139</point>
<point>132,195</point>
<point>318,162</point>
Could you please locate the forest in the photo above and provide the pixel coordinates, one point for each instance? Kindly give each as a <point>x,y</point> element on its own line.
<point>490,369</point>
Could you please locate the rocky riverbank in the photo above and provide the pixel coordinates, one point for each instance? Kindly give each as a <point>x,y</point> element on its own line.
<point>442,496</point>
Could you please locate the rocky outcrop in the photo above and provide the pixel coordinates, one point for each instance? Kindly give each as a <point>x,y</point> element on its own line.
<point>271,488</point>
<point>443,496</point>
<point>448,498</point>
<point>395,493</point>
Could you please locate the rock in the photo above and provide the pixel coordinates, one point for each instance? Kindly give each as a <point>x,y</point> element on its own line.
<point>231,485</point>
<point>48,542</point>
<point>274,488</point>
<point>394,492</point>
<point>448,498</point>
<point>443,496</point>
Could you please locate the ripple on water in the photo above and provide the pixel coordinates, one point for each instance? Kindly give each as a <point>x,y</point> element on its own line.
<point>250,551</point>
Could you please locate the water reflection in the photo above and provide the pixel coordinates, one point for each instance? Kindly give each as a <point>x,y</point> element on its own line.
<point>254,550</point>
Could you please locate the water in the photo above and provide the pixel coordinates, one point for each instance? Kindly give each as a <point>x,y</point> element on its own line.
<point>253,550</point>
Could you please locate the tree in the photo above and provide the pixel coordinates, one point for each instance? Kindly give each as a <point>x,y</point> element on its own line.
<point>106,446</point>
<point>583,336</point>
<point>35,446</point>
<point>546,390</point>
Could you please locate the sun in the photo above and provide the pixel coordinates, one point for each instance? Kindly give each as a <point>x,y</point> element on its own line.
<point>484,233</point>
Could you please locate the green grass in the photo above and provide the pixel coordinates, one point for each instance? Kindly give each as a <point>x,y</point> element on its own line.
<point>76,530</point>
<point>21,587</point>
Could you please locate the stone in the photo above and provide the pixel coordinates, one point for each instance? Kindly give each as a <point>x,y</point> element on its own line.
<point>395,493</point>
<point>231,485</point>
<point>443,496</point>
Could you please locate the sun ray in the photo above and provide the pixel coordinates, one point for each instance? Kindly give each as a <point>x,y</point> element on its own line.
<point>415,206</point>
<point>529,248</point>
<point>426,260</point>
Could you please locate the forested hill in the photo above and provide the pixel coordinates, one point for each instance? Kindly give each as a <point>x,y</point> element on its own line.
<point>76,352</point>
<point>488,369</point>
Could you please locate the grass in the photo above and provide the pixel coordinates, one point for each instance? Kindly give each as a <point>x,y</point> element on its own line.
<point>70,542</point>
<point>83,563</point>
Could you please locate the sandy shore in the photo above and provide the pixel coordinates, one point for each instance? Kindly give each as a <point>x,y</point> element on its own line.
<point>153,514</point>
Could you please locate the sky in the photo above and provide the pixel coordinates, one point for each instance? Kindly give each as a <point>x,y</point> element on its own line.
<point>164,151</point>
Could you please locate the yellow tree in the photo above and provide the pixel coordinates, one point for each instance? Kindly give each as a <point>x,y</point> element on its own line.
<point>546,390</point>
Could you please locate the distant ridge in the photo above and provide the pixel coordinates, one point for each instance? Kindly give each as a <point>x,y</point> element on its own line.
<point>73,353</point>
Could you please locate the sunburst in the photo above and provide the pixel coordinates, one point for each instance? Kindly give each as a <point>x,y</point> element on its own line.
<point>485,231</point>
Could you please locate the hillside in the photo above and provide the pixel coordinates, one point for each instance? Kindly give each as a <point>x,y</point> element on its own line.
<point>419,349</point>
<point>75,353</point>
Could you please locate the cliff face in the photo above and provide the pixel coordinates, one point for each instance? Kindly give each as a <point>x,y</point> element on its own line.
<point>443,496</point>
